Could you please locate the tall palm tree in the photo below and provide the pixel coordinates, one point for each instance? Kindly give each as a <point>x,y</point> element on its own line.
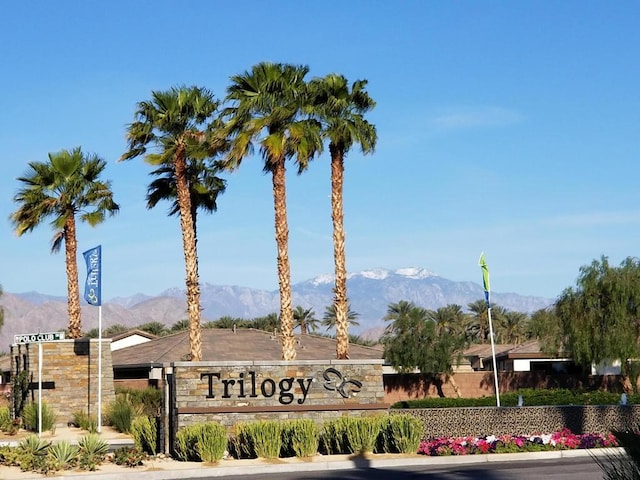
<point>65,186</point>
<point>479,323</point>
<point>340,109</point>
<point>1,310</point>
<point>267,109</point>
<point>450,320</point>
<point>330,318</point>
<point>175,123</point>
<point>305,318</point>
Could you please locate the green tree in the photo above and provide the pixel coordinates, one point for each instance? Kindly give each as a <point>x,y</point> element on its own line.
<point>411,342</point>
<point>450,320</point>
<point>230,322</point>
<point>330,319</point>
<point>204,188</point>
<point>267,323</point>
<point>154,328</point>
<point>600,317</point>
<point>180,325</point>
<point>340,108</point>
<point>267,109</point>
<point>115,329</point>
<point>1,310</point>
<point>546,326</point>
<point>511,327</point>
<point>64,188</point>
<point>176,124</point>
<point>305,318</point>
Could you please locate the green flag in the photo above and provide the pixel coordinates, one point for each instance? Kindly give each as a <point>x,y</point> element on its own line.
<point>485,278</point>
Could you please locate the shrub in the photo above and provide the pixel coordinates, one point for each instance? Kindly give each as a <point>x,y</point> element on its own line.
<point>146,401</point>
<point>129,456</point>
<point>92,451</point>
<point>120,414</point>
<point>261,439</point>
<point>30,417</point>
<point>333,437</point>
<point>625,466</point>
<point>402,433</point>
<point>211,442</point>
<point>63,455</point>
<point>301,437</point>
<point>362,434</point>
<point>145,434</point>
<point>32,453</point>
<point>531,397</point>
<point>85,421</point>
<point>5,418</point>
<point>186,440</point>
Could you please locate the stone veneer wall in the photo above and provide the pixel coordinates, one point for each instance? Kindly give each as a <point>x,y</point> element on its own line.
<point>69,374</point>
<point>195,400</point>
<point>479,421</point>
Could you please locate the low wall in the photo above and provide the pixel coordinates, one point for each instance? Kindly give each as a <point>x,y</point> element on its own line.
<point>477,384</point>
<point>232,392</point>
<point>480,421</point>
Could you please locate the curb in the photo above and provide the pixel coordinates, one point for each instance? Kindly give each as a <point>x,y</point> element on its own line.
<point>357,463</point>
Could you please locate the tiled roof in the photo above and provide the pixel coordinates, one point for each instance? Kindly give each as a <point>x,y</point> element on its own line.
<point>484,350</point>
<point>130,333</point>
<point>220,344</point>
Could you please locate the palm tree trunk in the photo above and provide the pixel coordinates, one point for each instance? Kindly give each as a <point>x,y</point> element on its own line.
<point>340,289</point>
<point>190,255</point>
<point>73,289</point>
<point>284,270</point>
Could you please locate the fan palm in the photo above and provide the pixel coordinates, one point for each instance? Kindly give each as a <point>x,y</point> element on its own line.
<point>176,123</point>
<point>340,109</point>
<point>330,319</point>
<point>1,311</point>
<point>305,318</point>
<point>267,109</point>
<point>65,186</point>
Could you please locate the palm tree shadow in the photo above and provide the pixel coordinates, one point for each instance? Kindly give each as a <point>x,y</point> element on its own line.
<point>364,471</point>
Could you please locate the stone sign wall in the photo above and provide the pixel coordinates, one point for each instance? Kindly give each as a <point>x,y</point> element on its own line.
<point>69,374</point>
<point>231,392</point>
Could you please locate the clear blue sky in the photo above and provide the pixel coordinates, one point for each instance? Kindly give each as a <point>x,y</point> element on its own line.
<point>506,127</point>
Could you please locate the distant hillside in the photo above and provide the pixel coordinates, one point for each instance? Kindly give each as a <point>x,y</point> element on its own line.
<point>370,293</point>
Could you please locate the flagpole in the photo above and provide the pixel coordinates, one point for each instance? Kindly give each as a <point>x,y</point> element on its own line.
<point>99,368</point>
<point>487,296</point>
<point>493,354</point>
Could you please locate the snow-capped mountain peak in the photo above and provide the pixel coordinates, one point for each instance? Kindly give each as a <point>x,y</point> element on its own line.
<point>417,273</point>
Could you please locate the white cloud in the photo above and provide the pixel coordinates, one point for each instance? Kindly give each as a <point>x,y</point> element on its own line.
<point>476,117</point>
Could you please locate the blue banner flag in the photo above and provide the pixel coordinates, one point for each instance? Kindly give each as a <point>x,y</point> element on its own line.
<point>485,278</point>
<point>93,283</point>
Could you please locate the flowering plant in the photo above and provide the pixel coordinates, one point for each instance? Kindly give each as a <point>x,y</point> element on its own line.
<point>562,440</point>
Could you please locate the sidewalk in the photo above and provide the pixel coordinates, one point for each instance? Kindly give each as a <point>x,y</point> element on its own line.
<point>167,469</point>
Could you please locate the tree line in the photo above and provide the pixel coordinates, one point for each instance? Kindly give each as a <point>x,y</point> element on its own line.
<point>190,137</point>
<point>597,320</point>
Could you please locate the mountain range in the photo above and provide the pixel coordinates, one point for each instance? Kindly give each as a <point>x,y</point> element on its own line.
<point>370,293</point>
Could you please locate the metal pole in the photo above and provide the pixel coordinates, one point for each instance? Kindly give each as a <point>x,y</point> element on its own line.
<point>99,368</point>
<point>493,353</point>
<point>40,388</point>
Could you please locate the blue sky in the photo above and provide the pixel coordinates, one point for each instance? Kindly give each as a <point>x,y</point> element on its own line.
<point>511,128</point>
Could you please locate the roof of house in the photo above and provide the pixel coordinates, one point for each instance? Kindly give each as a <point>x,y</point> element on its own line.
<point>131,333</point>
<point>484,350</point>
<point>219,344</point>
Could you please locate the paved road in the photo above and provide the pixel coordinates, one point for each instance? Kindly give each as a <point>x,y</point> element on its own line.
<point>561,469</point>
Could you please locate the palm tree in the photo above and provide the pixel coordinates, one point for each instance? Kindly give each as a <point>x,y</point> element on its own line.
<point>267,104</point>
<point>115,329</point>
<point>450,320</point>
<point>330,319</point>
<point>305,318</point>
<point>340,109</point>
<point>154,328</point>
<point>204,188</point>
<point>65,186</point>
<point>175,122</point>
<point>1,310</point>
<point>479,323</point>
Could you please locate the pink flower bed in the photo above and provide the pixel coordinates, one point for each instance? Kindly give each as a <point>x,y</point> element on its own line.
<point>562,440</point>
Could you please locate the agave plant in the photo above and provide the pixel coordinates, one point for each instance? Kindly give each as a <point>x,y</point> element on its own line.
<point>32,452</point>
<point>63,455</point>
<point>92,451</point>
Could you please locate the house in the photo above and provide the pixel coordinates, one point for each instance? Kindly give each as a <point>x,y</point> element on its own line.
<point>526,357</point>
<point>130,339</point>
